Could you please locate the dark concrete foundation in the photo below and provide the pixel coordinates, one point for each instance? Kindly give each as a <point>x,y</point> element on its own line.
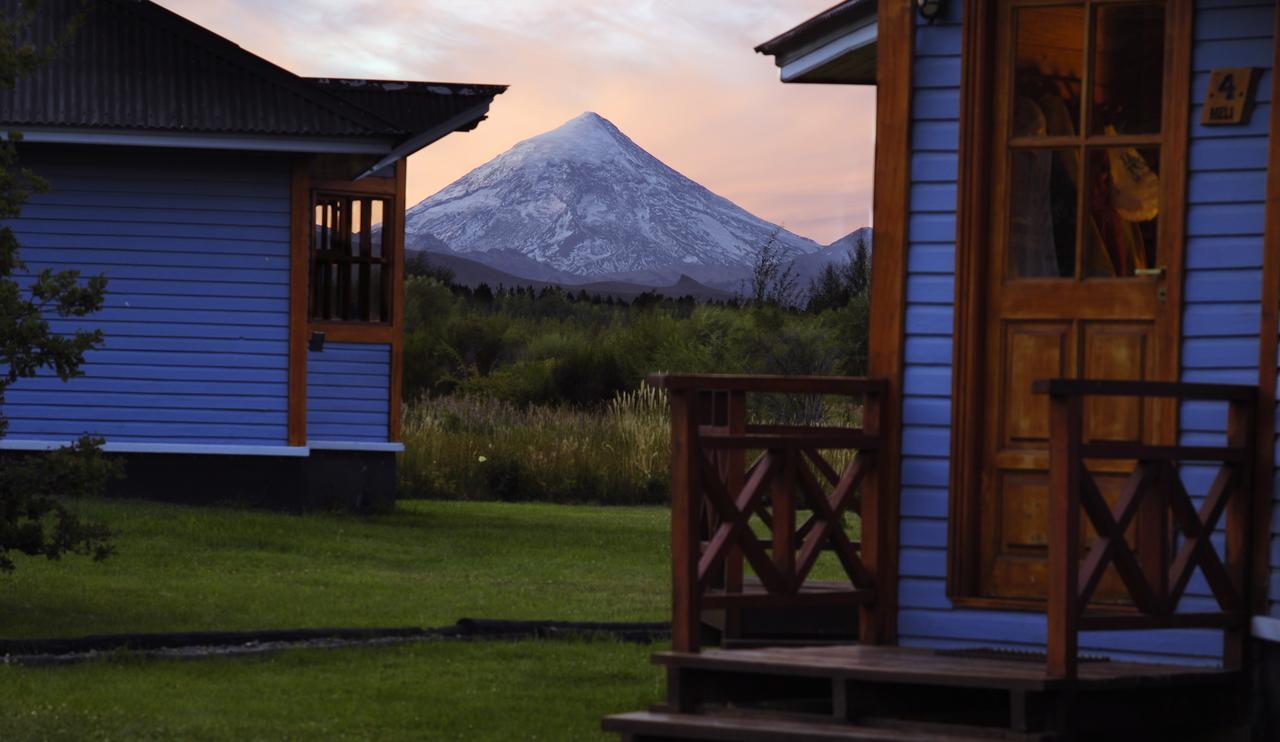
<point>325,480</point>
<point>1266,691</point>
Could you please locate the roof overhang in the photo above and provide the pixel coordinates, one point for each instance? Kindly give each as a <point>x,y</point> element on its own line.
<point>137,74</point>
<point>184,140</point>
<point>464,121</point>
<point>835,47</point>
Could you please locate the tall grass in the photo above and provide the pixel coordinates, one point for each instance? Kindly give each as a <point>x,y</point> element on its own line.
<point>480,448</point>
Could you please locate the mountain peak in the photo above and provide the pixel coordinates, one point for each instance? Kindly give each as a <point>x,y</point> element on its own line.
<point>585,199</point>
<point>588,117</point>
<point>585,137</point>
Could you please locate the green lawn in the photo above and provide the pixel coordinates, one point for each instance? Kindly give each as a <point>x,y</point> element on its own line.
<point>427,564</point>
<point>484,691</point>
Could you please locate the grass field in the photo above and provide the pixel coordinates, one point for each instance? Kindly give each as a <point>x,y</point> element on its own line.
<point>441,691</point>
<point>427,564</point>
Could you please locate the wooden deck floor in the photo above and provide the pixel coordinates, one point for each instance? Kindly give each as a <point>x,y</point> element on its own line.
<point>925,666</point>
<point>861,691</point>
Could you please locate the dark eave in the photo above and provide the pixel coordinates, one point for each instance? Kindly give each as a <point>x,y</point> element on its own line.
<point>135,73</point>
<point>837,46</point>
<point>410,106</point>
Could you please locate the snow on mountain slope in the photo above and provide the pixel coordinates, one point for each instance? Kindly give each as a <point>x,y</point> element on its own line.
<point>585,199</point>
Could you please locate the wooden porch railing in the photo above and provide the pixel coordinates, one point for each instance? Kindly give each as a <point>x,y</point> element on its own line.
<point>1155,503</point>
<point>715,495</point>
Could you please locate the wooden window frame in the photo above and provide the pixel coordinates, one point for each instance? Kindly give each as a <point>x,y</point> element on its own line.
<point>301,325</point>
<point>976,182</point>
<point>316,258</point>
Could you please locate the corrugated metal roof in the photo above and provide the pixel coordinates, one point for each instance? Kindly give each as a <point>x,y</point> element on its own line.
<point>135,65</point>
<point>837,46</point>
<point>817,27</point>
<point>410,106</point>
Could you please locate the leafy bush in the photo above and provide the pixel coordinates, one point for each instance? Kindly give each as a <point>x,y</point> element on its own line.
<point>539,395</point>
<point>480,448</point>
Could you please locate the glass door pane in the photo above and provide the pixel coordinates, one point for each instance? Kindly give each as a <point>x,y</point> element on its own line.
<point>1042,212</point>
<point>1128,69</point>
<point>1049,51</point>
<point>1124,211</point>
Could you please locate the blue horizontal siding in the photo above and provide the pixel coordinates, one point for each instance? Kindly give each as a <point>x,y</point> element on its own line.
<point>349,393</point>
<point>1226,189</point>
<point>929,317</point>
<point>195,247</point>
<point>227,230</point>
<point>1225,221</point>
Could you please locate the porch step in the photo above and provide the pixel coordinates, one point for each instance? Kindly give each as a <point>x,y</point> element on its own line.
<point>886,690</point>
<point>642,726</point>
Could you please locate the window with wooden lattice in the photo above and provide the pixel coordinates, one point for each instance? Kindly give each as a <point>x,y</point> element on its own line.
<point>351,257</point>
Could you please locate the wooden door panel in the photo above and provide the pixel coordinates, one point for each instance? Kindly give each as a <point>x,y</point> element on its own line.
<point>1016,566</point>
<point>1023,515</point>
<point>1015,557</point>
<point>1072,262</point>
<point>1115,351</point>
<point>1032,350</point>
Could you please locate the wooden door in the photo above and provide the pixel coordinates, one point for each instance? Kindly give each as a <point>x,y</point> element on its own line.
<point>1077,276</point>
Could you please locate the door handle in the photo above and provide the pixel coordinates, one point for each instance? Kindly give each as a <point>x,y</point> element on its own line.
<point>1156,272</point>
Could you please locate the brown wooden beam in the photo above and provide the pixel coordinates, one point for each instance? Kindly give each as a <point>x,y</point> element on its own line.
<point>686,614</point>
<point>1065,469</point>
<point>396,219</point>
<point>355,332</point>
<point>1117,388</point>
<point>366,187</point>
<point>299,271</point>
<point>773,383</point>
<point>968,341</point>
<point>1267,349</point>
<point>891,201</point>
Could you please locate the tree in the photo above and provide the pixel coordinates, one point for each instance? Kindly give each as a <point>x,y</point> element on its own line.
<point>773,282</point>
<point>837,285</point>
<point>860,268</point>
<point>419,263</point>
<point>33,517</point>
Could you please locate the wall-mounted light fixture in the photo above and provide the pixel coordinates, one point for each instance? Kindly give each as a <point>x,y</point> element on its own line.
<point>929,9</point>
<point>316,343</point>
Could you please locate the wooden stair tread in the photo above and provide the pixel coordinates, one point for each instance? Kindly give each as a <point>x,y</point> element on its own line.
<point>923,666</point>
<point>755,728</point>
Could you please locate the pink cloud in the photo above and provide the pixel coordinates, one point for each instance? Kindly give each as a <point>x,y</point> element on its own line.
<point>679,77</point>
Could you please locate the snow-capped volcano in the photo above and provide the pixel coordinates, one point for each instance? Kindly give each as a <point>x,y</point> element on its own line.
<point>585,199</point>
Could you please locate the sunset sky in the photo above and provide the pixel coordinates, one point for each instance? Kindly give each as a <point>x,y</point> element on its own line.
<point>677,76</point>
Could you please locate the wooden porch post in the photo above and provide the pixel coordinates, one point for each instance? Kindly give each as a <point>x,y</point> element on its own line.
<point>735,478</point>
<point>686,616</point>
<point>1240,429</point>
<point>1065,412</point>
<point>874,409</point>
<point>886,332</point>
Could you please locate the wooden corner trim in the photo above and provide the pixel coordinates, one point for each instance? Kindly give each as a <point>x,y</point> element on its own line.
<point>299,268</point>
<point>397,301</point>
<point>891,202</point>
<point>1270,326</point>
<point>970,305</point>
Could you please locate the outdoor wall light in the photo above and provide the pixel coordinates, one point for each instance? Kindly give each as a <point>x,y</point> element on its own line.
<point>316,343</point>
<point>929,9</point>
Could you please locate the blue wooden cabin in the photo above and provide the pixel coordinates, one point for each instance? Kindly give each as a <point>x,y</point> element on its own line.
<point>1067,465</point>
<point>249,221</point>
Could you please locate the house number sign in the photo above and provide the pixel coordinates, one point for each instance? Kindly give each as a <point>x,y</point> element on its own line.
<point>1229,97</point>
